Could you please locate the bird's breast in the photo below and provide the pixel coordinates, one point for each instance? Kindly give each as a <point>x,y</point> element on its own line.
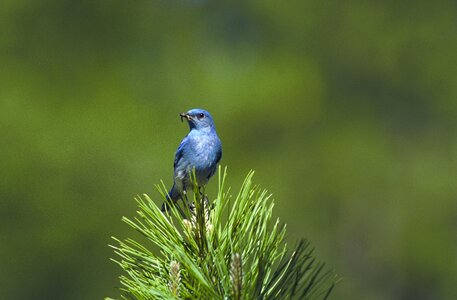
<point>204,151</point>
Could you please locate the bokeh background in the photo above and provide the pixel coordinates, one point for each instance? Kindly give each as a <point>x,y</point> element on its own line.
<point>346,110</point>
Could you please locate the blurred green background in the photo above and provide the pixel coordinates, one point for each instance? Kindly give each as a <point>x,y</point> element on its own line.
<point>346,110</point>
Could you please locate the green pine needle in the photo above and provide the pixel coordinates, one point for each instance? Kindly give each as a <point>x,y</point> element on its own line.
<point>224,249</point>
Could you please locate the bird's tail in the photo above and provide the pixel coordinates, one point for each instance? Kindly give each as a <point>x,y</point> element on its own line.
<point>171,198</point>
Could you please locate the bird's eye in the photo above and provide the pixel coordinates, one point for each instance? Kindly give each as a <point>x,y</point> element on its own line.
<point>200,115</point>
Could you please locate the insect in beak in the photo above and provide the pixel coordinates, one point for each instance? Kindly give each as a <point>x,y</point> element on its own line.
<point>185,115</point>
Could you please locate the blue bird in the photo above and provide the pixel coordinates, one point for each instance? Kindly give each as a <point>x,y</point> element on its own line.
<point>201,149</point>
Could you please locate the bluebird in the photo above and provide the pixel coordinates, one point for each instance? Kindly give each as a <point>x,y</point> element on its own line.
<point>200,149</point>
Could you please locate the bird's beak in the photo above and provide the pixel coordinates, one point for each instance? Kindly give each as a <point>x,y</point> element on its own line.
<point>185,115</point>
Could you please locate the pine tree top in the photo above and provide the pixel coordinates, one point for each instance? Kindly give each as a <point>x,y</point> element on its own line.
<point>230,248</point>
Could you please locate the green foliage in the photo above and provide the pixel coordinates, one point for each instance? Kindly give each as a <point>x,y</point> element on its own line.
<point>346,109</point>
<point>229,249</point>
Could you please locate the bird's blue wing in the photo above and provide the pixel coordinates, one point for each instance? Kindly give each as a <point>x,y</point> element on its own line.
<point>218,159</point>
<point>218,156</point>
<point>180,152</point>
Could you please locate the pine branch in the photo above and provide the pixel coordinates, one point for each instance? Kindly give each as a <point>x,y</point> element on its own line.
<point>227,249</point>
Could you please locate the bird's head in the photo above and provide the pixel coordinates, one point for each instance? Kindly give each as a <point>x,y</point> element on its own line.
<point>198,118</point>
